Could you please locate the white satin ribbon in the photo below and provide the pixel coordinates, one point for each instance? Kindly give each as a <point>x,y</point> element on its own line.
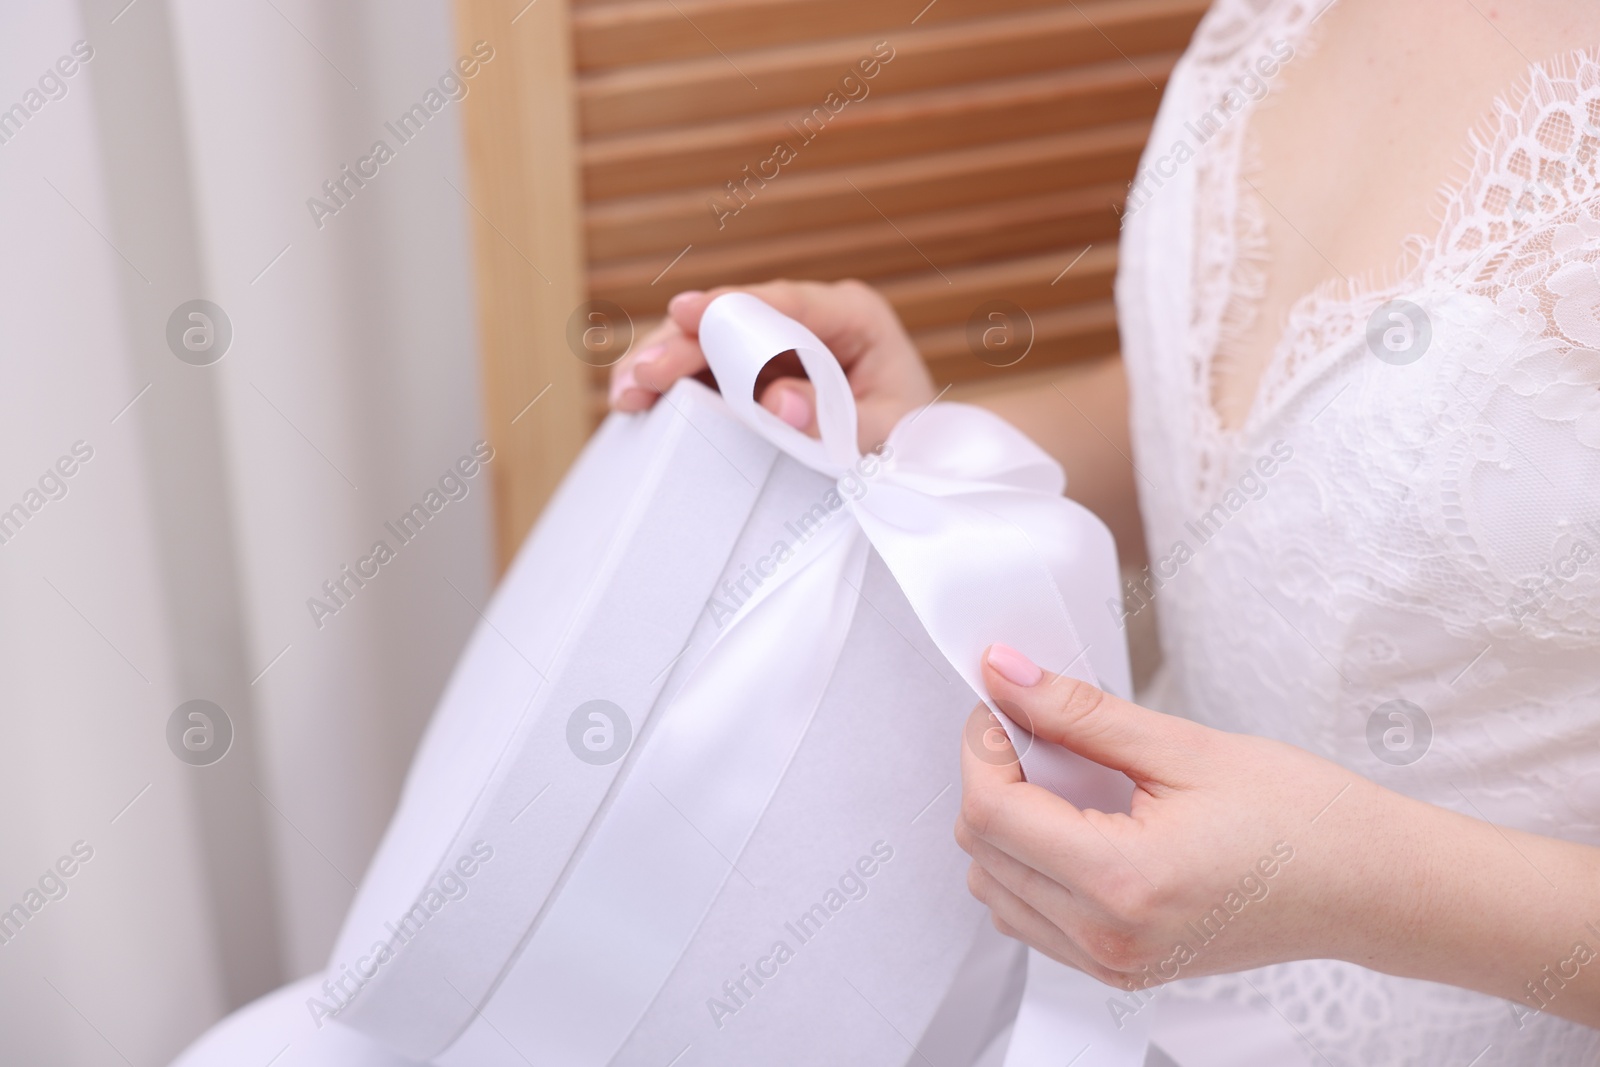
<point>1064,1018</point>
<point>969,517</point>
<point>967,513</point>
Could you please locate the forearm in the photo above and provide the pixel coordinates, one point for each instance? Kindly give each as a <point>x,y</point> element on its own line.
<point>1444,897</point>
<point>1081,418</point>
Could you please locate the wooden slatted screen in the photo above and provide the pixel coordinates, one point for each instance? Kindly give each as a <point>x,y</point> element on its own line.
<point>988,152</point>
<point>991,146</point>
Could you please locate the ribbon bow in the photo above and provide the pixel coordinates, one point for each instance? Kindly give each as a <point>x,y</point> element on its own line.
<point>967,514</point>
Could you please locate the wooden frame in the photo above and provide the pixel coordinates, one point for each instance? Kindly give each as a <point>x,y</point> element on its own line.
<point>528,252</point>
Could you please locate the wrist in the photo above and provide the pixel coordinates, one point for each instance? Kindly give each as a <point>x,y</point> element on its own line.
<point>1386,903</point>
<point>1420,891</point>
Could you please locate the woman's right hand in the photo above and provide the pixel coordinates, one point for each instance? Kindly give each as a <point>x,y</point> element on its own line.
<point>886,372</point>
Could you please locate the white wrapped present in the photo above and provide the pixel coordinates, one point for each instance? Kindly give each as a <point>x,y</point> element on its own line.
<point>688,797</point>
<point>276,1030</point>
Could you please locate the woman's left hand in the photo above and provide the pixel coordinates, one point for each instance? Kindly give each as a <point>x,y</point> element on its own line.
<point>1238,851</point>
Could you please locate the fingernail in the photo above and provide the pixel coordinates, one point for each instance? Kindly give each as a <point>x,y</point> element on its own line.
<point>1013,666</point>
<point>647,355</point>
<point>621,382</point>
<point>793,409</point>
<point>676,303</point>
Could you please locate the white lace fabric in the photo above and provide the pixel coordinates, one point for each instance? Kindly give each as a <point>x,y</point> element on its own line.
<point>1433,538</point>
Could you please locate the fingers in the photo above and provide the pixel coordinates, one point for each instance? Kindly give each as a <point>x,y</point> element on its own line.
<point>686,307</point>
<point>1100,937</point>
<point>1057,878</point>
<point>987,759</point>
<point>668,356</point>
<point>794,400</point>
<point>849,316</point>
<point>1042,832</point>
<point>1034,826</point>
<point>1041,892</point>
<point>672,351</point>
<point>1146,745</point>
<point>854,321</point>
<point>798,300</point>
<point>1015,918</point>
<point>653,366</point>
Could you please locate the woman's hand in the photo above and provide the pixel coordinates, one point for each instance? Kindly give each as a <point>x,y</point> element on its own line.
<point>1231,857</point>
<point>1241,851</point>
<point>886,374</point>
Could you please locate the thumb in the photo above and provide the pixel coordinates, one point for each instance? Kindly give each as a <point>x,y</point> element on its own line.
<point>1145,745</point>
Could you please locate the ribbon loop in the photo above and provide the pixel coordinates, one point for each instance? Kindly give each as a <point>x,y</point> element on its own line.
<point>959,448</point>
<point>739,334</point>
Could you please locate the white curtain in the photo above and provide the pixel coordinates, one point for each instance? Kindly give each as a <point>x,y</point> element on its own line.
<point>165,521</point>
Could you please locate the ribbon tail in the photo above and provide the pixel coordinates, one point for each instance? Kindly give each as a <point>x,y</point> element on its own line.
<point>976,576</point>
<point>762,679</point>
<point>1065,1017</point>
<point>676,829</point>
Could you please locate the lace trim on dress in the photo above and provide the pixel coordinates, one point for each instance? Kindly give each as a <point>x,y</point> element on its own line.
<point>1247,278</point>
<point>1521,228</point>
<point>1231,255</point>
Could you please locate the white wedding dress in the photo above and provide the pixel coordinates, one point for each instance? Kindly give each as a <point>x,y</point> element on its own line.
<point>1434,535</point>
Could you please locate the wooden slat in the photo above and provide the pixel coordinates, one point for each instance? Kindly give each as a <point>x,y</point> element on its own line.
<point>641,226</point>
<point>1036,283</point>
<point>1061,336</point>
<point>652,31</point>
<point>929,301</point>
<point>894,127</point>
<point>800,76</point>
<point>868,250</point>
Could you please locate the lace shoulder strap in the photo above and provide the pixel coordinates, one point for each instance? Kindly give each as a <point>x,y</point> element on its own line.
<point>1532,188</point>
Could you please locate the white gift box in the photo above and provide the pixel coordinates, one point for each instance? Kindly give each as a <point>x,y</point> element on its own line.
<point>688,798</point>
<point>276,1030</point>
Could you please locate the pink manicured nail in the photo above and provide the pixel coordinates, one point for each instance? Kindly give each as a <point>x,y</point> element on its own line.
<point>793,409</point>
<point>1013,666</point>
<point>648,355</point>
<point>621,382</point>
<point>676,303</point>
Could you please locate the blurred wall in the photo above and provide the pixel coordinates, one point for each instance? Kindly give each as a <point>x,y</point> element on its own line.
<point>215,487</point>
